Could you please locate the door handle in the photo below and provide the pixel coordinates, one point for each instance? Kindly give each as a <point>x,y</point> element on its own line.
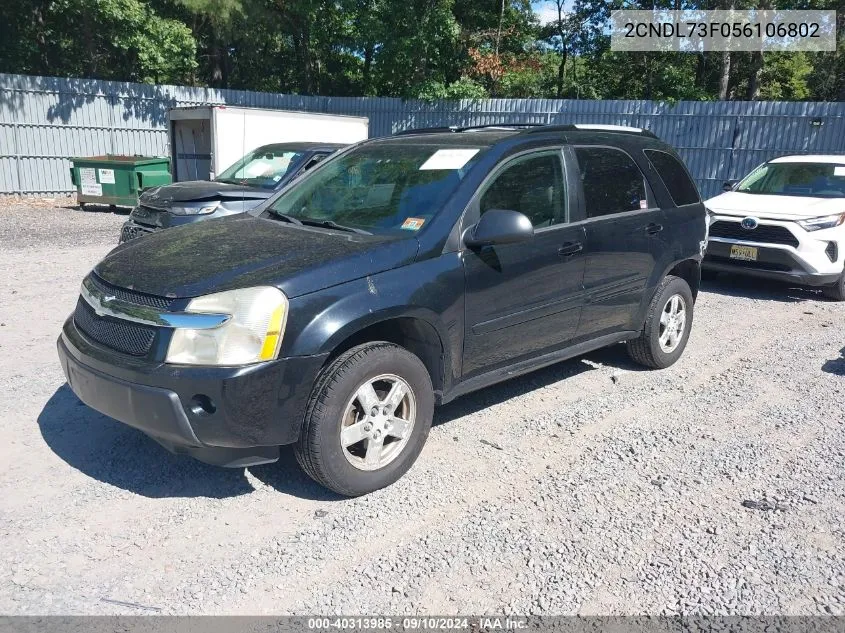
<point>653,229</point>
<point>567,249</point>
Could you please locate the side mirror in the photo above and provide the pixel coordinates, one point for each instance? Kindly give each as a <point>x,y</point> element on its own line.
<point>499,226</point>
<point>729,185</point>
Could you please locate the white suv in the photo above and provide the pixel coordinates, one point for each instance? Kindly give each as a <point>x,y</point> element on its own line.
<point>785,221</point>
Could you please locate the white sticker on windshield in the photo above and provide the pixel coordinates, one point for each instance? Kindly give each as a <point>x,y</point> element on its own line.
<point>839,171</point>
<point>449,159</point>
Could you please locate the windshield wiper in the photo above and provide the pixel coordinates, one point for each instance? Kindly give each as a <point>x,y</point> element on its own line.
<point>331,224</point>
<point>285,217</point>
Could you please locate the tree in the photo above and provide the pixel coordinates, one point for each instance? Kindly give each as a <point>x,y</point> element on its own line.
<point>108,39</point>
<point>212,25</point>
<point>424,49</point>
<point>561,35</point>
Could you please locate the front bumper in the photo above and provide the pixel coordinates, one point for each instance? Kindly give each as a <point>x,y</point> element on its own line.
<point>253,409</point>
<point>132,229</point>
<point>145,220</point>
<point>776,263</point>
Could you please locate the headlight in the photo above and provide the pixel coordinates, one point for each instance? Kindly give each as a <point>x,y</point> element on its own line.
<point>824,222</point>
<point>204,210</point>
<point>252,334</point>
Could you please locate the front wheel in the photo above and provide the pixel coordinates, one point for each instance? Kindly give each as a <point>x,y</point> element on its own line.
<point>367,420</point>
<point>667,325</point>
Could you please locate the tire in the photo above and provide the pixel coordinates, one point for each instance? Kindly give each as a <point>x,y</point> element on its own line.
<point>647,349</point>
<point>335,405</point>
<point>837,290</point>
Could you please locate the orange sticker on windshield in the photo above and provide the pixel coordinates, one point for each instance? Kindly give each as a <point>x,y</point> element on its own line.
<point>413,224</point>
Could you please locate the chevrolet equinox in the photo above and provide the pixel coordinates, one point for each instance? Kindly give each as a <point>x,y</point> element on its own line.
<point>397,275</point>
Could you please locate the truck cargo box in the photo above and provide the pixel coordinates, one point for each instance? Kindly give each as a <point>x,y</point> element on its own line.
<point>205,140</point>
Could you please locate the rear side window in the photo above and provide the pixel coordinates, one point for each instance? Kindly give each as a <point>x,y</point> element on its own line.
<point>611,180</point>
<point>674,176</point>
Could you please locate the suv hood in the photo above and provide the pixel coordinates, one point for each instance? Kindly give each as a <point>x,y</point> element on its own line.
<point>774,207</point>
<point>199,190</point>
<point>242,251</point>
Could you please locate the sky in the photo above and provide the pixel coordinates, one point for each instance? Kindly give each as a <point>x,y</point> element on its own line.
<point>547,11</point>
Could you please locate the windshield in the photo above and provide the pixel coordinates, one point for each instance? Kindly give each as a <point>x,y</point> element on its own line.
<point>264,167</point>
<point>815,180</point>
<point>385,188</point>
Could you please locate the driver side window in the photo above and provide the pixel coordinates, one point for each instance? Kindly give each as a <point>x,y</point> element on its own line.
<point>532,185</point>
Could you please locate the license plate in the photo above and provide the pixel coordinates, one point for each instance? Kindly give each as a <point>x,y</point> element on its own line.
<point>745,253</point>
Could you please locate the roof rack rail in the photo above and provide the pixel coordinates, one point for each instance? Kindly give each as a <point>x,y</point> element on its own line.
<point>425,130</point>
<point>532,128</point>
<point>500,126</point>
<point>468,128</point>
<point>595,127</point>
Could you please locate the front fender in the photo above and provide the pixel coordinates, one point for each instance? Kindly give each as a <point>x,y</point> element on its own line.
<point>431,290</point>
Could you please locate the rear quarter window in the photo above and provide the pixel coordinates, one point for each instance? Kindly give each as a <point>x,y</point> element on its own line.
<point>674,175</point>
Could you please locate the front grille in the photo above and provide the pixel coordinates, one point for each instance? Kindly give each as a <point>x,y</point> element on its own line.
<point>130,232</point>
<point>146,215</point>
<point>764,233</point>
<point>741,263</point>
<point>131,296</point>
<point>123,336</point>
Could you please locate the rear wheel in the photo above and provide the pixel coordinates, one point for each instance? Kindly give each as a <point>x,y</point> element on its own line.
<point>667,325</point>
<point>367,420</point>
<point>837,290</point>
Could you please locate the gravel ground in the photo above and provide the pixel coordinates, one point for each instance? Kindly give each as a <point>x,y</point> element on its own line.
<point>591,487</point>
<point>57,223</point>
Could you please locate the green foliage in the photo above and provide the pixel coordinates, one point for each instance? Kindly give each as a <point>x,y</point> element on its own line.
<point>109,39</point>
<point>785,77</point>
<point>164,50</point>
<point>429,49</point>
<point>463,88</point>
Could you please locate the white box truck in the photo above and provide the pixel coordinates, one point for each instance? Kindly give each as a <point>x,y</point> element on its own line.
<point>205,140</point>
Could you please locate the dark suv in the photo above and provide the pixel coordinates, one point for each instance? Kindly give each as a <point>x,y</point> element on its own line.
<point>397,275</point>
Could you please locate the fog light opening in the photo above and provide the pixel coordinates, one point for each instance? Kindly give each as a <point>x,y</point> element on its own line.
<point>201,405</point>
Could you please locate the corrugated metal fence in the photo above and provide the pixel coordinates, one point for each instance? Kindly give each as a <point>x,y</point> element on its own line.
<point>45,121</point>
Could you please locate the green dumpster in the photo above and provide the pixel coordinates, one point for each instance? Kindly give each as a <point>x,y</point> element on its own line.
<point>117,180</point>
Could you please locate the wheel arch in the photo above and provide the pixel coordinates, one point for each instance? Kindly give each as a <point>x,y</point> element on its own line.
<point>687,269</point>
<point>415,331</point>
<point>690,271</point>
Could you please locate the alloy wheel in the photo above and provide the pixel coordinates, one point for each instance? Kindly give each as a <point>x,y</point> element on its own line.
<point>673,321</point>
<point>377,422</point>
